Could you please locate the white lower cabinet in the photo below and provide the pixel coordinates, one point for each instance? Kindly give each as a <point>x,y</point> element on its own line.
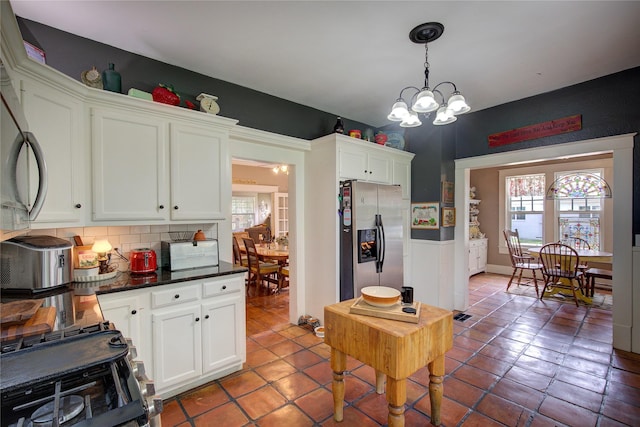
<point>177,345</point>
<point>477,256</point>
<point>196,329</point>
<point>129,312</point>
<point>198,332</point>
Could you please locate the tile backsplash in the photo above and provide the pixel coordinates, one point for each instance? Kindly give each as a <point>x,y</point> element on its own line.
<point>127,238</point>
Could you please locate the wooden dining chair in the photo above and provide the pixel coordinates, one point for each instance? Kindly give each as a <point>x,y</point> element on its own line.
<point>560,268</point>
<point>260,272</point>
<point>520,260</point>
<point>578,243</point>
<point>238,258</point>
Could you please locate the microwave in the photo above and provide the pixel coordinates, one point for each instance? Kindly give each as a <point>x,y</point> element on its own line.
<point>18,148</point>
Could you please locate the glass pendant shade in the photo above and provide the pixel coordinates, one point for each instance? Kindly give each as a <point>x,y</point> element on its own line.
<point>425,102</point>
<point>399,111</point>
<point>412,120</point>
<point>457,104</point>
<point>444,116</point>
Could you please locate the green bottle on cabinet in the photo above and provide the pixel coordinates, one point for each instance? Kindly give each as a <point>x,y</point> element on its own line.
<point>111,79</point>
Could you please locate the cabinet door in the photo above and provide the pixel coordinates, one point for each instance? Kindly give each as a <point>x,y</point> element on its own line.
<point>352,164</point>
<point>379,168</point>
<point>281,214</point>
<point>129,167</point>
<point>128,313</point>
<point>177,345</point>
<point>56,118</point>
<point>223,332</point>
<point>196,173</point>
<point>482,256</point>
<point>402,177</point>
<point>473,258</point>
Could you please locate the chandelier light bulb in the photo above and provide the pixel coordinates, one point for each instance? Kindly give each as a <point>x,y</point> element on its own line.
<point>412,120</point>
<point>457,104</point>
<point>444,116</point>
<point>399,111</point>
<point>425,102</point>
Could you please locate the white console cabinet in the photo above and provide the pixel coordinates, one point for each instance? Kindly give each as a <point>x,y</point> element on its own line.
<point>477,256</point>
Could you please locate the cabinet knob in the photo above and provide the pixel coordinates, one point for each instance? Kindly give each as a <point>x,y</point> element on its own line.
<point>197,319</point>
<point>134,311</point>
<point>161,206</point>
<point>175,207</point>
<point>224,287</point>
<point>206,317</point>
<point>78,205</point>
<point>176,296</point>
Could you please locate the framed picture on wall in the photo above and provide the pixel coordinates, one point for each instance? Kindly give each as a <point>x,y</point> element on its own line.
<point>425,215</point>
<point>447,192</point>
<point>448,217</point>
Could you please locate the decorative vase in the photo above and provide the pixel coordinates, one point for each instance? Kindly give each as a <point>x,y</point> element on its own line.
<point>111,79</point>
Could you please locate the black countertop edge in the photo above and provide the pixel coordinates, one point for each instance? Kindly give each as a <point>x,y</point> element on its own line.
<point>126,281</point>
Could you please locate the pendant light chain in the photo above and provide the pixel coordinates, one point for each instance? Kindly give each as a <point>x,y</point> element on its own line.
<point>426,65</point>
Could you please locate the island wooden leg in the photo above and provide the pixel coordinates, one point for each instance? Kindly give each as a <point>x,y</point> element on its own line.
<point>436,374</point>
<point>338,365</point>
<point>396,396</point>
<point>379,382</point>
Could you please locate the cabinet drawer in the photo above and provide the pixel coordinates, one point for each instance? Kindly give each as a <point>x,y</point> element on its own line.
<point>175,296</point>
<point>221,287</point>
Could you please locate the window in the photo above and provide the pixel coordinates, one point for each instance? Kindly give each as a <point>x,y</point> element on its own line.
<point>243,212</point>
<point>578,216</point>
<point>525,207</point>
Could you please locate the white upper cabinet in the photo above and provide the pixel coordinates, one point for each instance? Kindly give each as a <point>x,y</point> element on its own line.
<point>357,162</point>
<point>196,158</point>
<point>148,168</point>
<point>129,166</point>
<point>56,119</point>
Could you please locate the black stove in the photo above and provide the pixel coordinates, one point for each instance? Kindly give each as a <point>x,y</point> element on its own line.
<point>79,376</point>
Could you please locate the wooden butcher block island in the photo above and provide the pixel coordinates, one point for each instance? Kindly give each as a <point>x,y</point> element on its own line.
<point>393,348</point>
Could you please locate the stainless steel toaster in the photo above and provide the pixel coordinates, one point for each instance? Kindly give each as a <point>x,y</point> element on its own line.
<point>35,262</point>
<point>191,254</point>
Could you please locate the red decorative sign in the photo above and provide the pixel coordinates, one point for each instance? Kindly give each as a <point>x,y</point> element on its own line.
<point>552,127</point>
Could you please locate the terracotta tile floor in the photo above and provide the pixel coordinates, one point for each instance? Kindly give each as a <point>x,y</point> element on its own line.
<point>516,362</point>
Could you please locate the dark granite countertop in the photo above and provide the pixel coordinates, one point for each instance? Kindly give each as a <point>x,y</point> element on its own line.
<point>126,281</point>
<point>77,303</point>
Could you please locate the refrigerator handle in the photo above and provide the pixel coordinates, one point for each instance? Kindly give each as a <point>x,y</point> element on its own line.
<point>381,246</point>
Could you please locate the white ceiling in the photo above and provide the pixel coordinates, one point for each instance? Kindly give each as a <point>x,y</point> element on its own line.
<point>352,58</point>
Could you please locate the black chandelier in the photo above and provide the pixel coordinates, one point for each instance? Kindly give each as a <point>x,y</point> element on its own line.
<point>423,100</point>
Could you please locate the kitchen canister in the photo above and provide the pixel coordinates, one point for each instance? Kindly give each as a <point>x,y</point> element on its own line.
<point>111,79</point>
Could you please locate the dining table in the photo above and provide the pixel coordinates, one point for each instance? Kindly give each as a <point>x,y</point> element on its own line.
<point>585,255</point>
<point>271,252</point>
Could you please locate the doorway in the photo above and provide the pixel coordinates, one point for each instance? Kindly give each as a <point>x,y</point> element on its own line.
<point>621,148</point>
<point>252,145</point>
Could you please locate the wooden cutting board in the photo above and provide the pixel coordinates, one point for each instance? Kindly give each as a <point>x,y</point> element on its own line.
<point>18,311</point>
<point>41,322</point>
<point>392,313</point>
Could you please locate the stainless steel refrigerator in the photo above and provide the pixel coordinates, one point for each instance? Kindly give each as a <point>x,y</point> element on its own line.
<point>370,237</point>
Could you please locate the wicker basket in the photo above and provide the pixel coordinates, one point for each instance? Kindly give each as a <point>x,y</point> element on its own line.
<point>181,236</point>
